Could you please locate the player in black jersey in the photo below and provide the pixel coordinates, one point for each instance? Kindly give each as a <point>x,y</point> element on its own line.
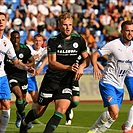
<point>75,97</point>
<point>63,51</point>
<point>18,78</point>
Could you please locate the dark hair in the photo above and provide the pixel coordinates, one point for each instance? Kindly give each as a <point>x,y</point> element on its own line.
<point>14,32</point>
<point>1,13</point>
<point>38,35</point>
<point>128,22</point>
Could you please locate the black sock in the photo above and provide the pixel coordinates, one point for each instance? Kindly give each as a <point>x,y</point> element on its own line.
<point>20,107</point>
<point>67,113</point>
<point>25,103</point>
<point>53,122</point>
<point>31,116</point>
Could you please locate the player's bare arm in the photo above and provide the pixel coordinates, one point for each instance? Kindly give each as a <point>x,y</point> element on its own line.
<point>22,66</point>
<point>94,56</point>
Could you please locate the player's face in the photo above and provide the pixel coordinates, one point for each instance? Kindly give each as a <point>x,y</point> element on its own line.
<point>38,41</point>
<point>2,22</point>
<point>15,39</point>
<point>65,27</point>
<point>127,32</point>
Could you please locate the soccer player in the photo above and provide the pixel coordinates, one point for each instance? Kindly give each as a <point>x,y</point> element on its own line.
<point>63,50</point>
<point>111,83</point>
<point>18,78</point>
<point>40,56</point>
<point>127,126</point>
<point>6,48</point>
<point>74,103</point>
<point>75,97</point>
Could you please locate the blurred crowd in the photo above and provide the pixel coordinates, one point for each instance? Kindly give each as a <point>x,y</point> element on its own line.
<point>98,21</point>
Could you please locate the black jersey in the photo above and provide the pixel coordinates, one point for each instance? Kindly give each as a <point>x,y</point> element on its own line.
<point>23,54</point>
<point>67,53</point>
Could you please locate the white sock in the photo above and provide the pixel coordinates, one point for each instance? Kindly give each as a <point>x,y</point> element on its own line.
<point>5,117</point>
<point>107,124</point>
<point>103,119</point>
<point>129,122</point>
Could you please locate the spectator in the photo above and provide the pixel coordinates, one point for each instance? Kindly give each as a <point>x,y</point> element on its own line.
<point>127,16</point>
<point>80,29</point>
<point>77,7</point>
<point>76,19</point>
<point>110,8</point>
<point>17,23</point>
<point>22,9</point>
<point>43,8</point>
<point>89,9</point>
<point>89,39</point>
<point>119,6</point>
<point>116,15</point>
<point>110,31</point>
<point>9,23</point>
<point>85,18</point>
<point>114,2</point>
<point>41,22</point>
<point>31,22</point>
<point>129,6</point>
<point>67,7</point>
<point>102,5</point>
<point>32,7</point>
<point>51,22</point>
<point>104,19</point>
<point>93,3</point>
<point>93,23</point>
<point>3,7</point>
<point>55,8</point>
<point>51,26</point>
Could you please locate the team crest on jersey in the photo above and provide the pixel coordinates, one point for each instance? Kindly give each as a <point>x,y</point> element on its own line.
<point>21,55</point>
<point>4,42</point>
<point>109,98</point>
<point>75,45</point>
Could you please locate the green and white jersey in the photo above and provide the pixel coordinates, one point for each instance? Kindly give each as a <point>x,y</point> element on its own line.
<point>119,62</point>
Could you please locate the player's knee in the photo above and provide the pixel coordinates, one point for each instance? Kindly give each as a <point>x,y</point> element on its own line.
<point>74,103</point>
<point>114,115</point>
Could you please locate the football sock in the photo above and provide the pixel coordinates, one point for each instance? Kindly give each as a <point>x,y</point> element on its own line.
<point>129,122</point>
<point>31,116</point>
<point>67,114</point>
<point>25,103</point>
<point>103,122</point>
<point>20,107</point>
<point>5,116</point>
<point>72,105</point>
<point>106,126</point>
<point>53,122</point>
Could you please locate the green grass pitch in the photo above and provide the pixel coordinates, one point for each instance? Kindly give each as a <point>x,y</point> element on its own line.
<point>84,116</point>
